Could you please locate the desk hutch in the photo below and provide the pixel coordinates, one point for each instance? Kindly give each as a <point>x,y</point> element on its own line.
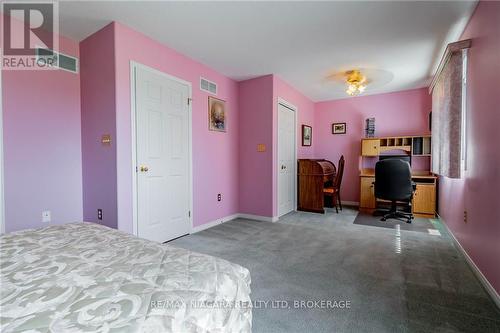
<point>424,198</point>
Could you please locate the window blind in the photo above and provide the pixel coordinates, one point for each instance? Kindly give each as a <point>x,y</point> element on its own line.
<point>447,104</point>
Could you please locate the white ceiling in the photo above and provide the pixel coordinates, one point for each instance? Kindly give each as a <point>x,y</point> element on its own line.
<point>302,42</point>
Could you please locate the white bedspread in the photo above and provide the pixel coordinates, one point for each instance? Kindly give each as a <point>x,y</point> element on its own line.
<point>83,277</point>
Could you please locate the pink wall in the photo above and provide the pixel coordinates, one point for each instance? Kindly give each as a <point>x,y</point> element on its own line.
<point>305,113</point>
<point>98,109</point>
<point>477,191</point>
<point>42,145</point>
<point>256,127</point>
<point>305,108</point>
<point>51,133</point>
<point>215,154</point>
<point>398,113</point>
<point>259,125</point>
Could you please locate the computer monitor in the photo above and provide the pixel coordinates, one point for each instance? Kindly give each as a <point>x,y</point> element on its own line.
<point>406,158</point>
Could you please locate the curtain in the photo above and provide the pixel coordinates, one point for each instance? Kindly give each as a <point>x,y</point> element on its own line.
<point>447,119</point>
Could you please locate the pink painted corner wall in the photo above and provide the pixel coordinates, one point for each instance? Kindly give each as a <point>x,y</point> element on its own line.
<point>98,114</point>
<point>42,145</point>
<point>398,113</point>
<point>215,154</point>
<point>305,116</point>
<point>256,127</point>
<point>477,192</point>
<point>259,125</point>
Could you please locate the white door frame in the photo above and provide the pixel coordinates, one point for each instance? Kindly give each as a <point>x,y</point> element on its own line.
<point>2,197</point>
<point>133,66</point>
<point>296,112</point>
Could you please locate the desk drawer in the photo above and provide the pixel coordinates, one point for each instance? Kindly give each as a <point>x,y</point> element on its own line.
<point>424,199</point>
<point>367,197</point>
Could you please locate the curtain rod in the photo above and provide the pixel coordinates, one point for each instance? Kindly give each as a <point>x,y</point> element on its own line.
<point>450,49</point>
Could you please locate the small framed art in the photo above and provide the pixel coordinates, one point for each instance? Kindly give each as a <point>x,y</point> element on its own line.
<point>216,114</point>
<point>306,135</point>
<point>339,128</point>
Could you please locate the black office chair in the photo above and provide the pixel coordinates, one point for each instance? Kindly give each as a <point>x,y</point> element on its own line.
<point>393,182</point>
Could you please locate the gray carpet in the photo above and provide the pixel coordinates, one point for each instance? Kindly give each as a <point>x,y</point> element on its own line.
<point>418,224</point>
<point>395,281</point>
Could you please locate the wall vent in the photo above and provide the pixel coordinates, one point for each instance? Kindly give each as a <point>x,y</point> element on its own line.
<point>58,60</point>
<point>208,86</point>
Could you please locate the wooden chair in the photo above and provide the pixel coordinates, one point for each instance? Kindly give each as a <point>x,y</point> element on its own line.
<point>334,190</point>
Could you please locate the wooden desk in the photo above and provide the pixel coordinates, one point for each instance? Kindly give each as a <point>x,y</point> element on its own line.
<point>424,198</point>
<point>312,176</point>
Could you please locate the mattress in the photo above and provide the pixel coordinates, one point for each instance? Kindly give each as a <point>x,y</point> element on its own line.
<point>84,277</point>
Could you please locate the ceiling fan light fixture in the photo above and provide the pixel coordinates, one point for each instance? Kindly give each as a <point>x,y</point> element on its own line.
<point>356,82</point>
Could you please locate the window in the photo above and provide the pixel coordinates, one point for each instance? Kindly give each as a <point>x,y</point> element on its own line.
<point>463,134</point>
<point>449,116</point>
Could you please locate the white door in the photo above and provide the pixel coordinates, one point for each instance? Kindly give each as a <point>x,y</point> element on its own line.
<point>286,160</point>
<point>163,156</point>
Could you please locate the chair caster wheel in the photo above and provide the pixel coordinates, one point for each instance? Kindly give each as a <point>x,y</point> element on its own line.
<point>383,219</point>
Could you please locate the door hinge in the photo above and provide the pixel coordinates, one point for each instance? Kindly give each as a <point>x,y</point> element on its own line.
<point>189,214</point>
<point>189,101</point>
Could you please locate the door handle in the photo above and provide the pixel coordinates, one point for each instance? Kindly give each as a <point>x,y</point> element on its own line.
<point>144,168</point>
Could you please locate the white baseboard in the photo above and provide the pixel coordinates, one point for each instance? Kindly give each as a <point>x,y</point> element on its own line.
<point>258,217</point>
<point>225,219</point>
<point>484,281</point>
<point>211,224</point>
<point>251,217</point>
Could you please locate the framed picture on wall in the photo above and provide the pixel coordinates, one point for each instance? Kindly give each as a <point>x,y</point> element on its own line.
<point>339,128</point>
<point>216,114</point>
<point>307,135</point>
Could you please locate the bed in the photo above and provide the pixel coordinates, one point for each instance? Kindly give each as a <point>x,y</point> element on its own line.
<point>84,277</point>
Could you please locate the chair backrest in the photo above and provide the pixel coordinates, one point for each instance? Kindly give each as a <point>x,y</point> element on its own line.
<point>340,172</point>
<point>393,180</point>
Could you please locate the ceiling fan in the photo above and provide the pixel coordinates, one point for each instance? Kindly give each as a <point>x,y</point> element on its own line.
<point>356,80</point>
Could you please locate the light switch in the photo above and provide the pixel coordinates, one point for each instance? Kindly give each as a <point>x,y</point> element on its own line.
<point>46,216</point>
<point>261,147</point>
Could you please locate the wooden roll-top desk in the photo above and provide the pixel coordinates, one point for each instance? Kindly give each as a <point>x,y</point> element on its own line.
<point>312,177</point>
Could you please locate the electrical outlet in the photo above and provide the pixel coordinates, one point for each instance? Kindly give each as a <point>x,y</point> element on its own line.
<point>99,214</point>
<point>219,197</point>
<point>46,216</point>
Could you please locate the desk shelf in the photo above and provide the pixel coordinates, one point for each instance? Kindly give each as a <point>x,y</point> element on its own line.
<point>414,145</point>
<point>424,198</point>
